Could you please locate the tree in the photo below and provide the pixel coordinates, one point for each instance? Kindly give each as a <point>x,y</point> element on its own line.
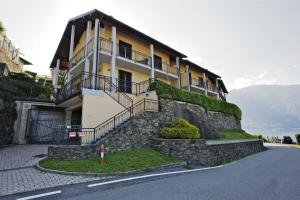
<point>2,29</point>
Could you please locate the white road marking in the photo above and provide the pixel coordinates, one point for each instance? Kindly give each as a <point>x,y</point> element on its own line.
<point>40,195</point>
<point>151,175</point>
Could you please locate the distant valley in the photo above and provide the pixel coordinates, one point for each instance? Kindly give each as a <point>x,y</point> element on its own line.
<point>269,109</point>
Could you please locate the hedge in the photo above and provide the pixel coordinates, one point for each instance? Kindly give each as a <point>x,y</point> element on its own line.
<point>180,129</point>
<point>166,91</point>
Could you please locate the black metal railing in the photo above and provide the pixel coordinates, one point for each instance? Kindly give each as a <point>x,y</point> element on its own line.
<point>212,88</point>
<point>133,87</point>
<point>167,68</point>
<point>133,55</point>
<point>96,82</point>
<point>105,45</point>
<point>92,135</point>
<point>198,83</point>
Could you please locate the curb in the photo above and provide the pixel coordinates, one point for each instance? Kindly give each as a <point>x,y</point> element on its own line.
<point>109,175</point>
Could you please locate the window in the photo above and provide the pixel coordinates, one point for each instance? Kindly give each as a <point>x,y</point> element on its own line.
<point>157,62</point>
<point>125,50</point>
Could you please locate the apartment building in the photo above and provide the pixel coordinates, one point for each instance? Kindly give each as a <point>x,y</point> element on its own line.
<point>10,57</point>
<point>110,65</point>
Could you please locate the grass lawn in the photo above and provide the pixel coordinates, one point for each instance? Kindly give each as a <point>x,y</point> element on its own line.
<point>114,162</point>
<point>235,136</point>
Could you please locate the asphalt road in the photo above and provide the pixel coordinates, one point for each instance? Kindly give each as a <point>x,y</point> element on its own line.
<point>273,174</point>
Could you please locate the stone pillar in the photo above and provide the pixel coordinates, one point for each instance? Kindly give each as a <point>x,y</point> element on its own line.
<point>71,51</point>
<point>205,84</point>
<point>113,55</point>
<point>88,37</point>
<point>95,51</point>
<point>152,61</point>
<point>55,76</point>
<point>188,81</point>
<point>178,70</point>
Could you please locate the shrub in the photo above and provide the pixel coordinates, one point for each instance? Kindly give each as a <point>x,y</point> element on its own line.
<point>33,74</point>
<point>298,138</point>
<point>259,136</point>
<point>180,129</point>
<point>166,91</point>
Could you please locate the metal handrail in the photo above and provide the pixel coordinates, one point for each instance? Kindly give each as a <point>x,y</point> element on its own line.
<point>136,56</point>
<point>198,83</point>
<point>118,119</point>
<point>134,87</point>
<point>93,81</point>
<point>166,67</point>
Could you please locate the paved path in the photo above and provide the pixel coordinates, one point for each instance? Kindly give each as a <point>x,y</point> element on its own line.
<point>17,172</point>
<point>273,174</point>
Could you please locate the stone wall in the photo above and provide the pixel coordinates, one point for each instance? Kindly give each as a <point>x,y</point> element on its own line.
<point>134,133</point>
<point>8,115</point>
<point>209,123</point>
<point>197,152</point>
<point>71,152</point>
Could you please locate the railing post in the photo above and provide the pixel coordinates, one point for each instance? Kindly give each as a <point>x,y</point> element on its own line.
<point>114,122</point>
<point>94,135</point>
<point>144,104</point>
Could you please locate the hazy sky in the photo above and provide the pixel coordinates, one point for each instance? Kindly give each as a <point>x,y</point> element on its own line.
<point>246,42</point>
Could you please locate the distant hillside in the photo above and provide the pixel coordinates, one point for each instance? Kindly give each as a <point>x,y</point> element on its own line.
<point>269,108</point>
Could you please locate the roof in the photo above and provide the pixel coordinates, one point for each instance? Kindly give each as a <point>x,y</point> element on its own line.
<point>191,64</point>
<point>80,21</point>
<point>25,62</point>
<point>209,73</point>
<point>222,85</point>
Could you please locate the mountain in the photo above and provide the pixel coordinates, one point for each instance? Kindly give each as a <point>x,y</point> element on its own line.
<point>268,108</point>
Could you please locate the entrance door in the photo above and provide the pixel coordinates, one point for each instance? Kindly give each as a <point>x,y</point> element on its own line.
<point>125,84</point>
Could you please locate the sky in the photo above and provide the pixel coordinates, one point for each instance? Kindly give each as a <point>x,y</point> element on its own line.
<point>247,42</point>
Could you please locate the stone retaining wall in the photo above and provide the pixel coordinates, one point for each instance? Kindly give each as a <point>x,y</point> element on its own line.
<point>136,133</point>
<point>208,122</point>
<point>71,152</point>
<point>197,152</point>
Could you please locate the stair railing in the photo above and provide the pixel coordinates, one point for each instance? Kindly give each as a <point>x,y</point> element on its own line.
<point>118,119</point>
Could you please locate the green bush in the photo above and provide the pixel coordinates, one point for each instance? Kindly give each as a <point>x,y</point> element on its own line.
<point>166,91</point>
<point>21,76</point>
<point>180,129</point>
<point>298,138</point>
<point>259,136</point>
<point>33,74</point>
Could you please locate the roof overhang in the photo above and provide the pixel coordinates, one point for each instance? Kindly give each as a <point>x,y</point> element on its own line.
<point>207,72</point>
<point>80,21</point>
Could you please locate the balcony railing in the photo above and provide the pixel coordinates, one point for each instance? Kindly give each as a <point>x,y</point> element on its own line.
<point>133,55</point>
<point>92,81</point>
<point>198,83</point>
<point>133,87</point>
<point>167,68</point>
<point>105,45</point>
<point>212,88</point>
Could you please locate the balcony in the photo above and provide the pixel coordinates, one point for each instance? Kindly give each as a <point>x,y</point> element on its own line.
<point>212,89</point>
<point>166,71</point>
<point>125,57</point>
<point>104,48</point>
<point>197,85</point>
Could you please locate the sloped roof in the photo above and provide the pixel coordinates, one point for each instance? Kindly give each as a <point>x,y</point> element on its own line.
<point>80,22</point>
